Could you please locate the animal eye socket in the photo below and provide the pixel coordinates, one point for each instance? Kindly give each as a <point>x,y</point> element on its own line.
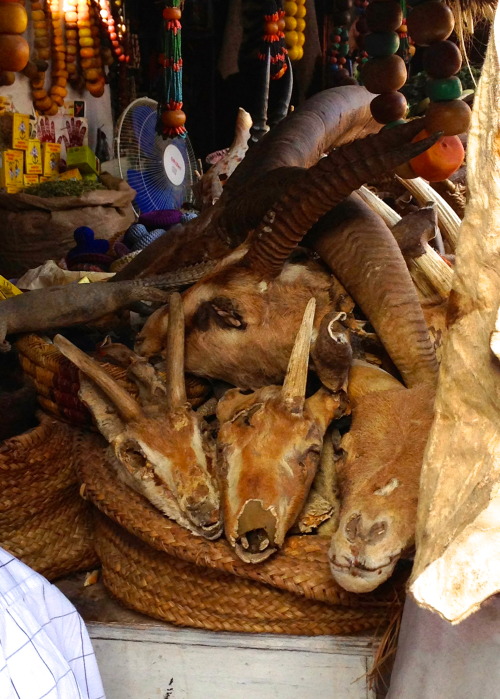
<point>131,454</point>
<point>245,416</point>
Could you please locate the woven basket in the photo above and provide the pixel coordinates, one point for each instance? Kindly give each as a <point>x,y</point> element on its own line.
<point>56,380</point>
<point>43,519</point>
<point>160,569</point>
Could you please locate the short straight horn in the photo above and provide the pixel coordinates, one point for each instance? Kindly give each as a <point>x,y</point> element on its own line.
<point>176,385</point>
<point>294,386</point>
<point>125,405</point>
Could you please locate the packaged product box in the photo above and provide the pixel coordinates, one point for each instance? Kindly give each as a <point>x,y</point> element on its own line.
<point>11,168</point>
<point>8,289</point>
<point>51,155</point>
<point>30,179</point>
<point>21,129</point>
<point>83,158</point>
<point>73,174</point>
<point>46,179</point>
<point>13,189</point>
<point>34,158</point>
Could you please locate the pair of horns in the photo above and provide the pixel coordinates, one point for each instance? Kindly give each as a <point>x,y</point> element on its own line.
<point>294,385</point>
<point>127,407</point>
<point>323,186</point>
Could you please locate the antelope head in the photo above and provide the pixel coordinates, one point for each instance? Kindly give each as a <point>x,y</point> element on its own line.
<point>158,446</point>
<point>269,447</point>
<point>378,477</point>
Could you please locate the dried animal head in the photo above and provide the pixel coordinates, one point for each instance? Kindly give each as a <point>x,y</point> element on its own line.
<point>378,478</point>
<point>159,446</point>
<point>269,448</point>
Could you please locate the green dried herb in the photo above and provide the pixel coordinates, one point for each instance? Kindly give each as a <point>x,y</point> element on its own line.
<point>62,188</point>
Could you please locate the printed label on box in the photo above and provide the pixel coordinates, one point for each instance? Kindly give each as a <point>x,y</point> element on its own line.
<point>20,131</point>
<point>30,179</point>
<point>51,154</point>
<point>34,164</point>
<point>8,289</point>
<point>11,171</point>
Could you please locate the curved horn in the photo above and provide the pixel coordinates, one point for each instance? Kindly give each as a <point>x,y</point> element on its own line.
<point>127,407</point>
<point>328,182</point>
<point>294,386</point>
<point>176,385</point>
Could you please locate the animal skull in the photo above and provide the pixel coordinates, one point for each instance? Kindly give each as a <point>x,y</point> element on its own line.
<point>269,448</point>
<point>159,447</point>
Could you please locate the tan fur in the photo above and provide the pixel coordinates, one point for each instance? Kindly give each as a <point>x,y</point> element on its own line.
<point>272,311</point>
<point>268,455</point>
<point>378,481</point>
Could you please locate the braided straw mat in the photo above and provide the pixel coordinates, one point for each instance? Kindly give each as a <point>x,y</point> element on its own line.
<point>154,566</point>
<point>43,519</point>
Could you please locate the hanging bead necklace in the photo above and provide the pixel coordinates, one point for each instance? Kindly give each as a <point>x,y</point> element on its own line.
<point>295,25</point>
<point>429,24</point>
<point>171,118</point>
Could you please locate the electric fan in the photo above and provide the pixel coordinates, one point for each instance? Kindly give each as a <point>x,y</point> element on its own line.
<point>160,170</point>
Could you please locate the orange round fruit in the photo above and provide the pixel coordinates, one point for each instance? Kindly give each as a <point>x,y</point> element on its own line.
<point>13,18</point>
<point>439,161</point>
<point>14,52</point>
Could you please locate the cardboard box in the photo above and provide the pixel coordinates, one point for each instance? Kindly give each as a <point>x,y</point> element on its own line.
<point>34,165</point>
<point>30,179</point>
<point>84,159</point>
<point>13,189</point>
<point>51,155</point>
<point>11,168</point>
<point>73,174</point>
<point>47,179</point>
<point>20,131</point>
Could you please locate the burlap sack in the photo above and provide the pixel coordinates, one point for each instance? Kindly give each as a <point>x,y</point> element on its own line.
<point>35,229</point>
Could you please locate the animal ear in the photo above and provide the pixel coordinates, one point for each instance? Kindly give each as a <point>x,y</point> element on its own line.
<point>325,406</point>
<point>220,310</point>
<point>108,422</point>
<point>232,402</point>
<point>366,378</point>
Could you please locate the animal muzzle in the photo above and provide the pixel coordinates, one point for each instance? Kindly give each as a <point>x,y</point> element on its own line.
<point>203,511</point>
<point>256,532</point>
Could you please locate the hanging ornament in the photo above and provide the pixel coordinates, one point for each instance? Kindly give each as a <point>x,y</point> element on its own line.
<point>273,41</point>
<point>295,24</point>
<point>171,118</point>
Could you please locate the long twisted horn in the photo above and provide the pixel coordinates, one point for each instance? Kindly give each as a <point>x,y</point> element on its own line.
<point>328,182</point>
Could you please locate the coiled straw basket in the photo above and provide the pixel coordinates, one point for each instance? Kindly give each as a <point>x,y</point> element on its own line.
<point>43,519</point>
<point>158,568</point>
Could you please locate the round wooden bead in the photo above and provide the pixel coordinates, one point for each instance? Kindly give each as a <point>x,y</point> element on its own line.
<point>388,107</point>
<point>444,89</point>
<point>385,74</point>
<point>384,16</point>
<point>381,43</point>
<point>451,117</point>
<point>442,59</point>
<point>429,22</point>
<point>172,119</point>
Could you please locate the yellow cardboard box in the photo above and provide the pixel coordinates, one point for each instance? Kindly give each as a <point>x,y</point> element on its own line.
<point>34,158</point>
<point>7,289</point>
<point>30,179</point>
<point>11,169</point>
<point>73,174</point>
<point>20,131</point>
<point>51,155</point>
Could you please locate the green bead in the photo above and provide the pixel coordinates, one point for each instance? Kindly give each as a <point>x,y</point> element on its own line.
<point>392,124</point>
<point>444,89</point>
<point>381,43</point>
<point>336,46</point>
<point>344,49</point>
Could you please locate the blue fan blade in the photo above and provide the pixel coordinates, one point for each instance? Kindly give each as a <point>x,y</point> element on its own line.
<point>144,125</point>
<point>152,197</point>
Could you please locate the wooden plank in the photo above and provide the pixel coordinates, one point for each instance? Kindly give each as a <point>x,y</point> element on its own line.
<point>146,669</point>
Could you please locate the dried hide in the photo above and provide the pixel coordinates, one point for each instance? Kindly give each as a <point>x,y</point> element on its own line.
<point>378,478</point>
<point>269,448</point>
<point>157,448</point>
<point>458,533</point>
